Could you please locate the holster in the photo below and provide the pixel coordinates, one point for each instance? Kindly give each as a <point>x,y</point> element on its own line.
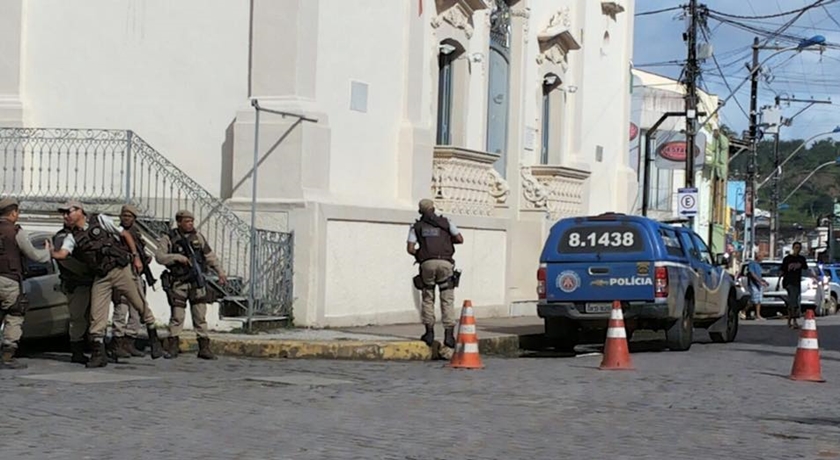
<point>166,280</point>
<point>418,283</point>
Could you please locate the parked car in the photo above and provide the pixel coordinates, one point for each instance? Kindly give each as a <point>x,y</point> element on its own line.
<point>814,291</point>
<point>48,314</point>
<point>833,275</point>
<point>663,275</point>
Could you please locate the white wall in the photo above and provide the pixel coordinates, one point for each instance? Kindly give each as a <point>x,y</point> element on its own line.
<point>369,274</point>
<point>363,41</point>
<point>174,72</point>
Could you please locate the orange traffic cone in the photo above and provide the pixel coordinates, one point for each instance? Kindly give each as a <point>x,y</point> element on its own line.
<point>616,352</point>
<point>806,364</point>
<point>466,347</point>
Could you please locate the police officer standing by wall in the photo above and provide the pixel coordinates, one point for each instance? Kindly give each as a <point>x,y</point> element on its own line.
<point>436,237</point>
<point>125,332</point>
<point>96,241</point>
<point>187,255</point>
<point>14,246</point>
<point>76,281</point>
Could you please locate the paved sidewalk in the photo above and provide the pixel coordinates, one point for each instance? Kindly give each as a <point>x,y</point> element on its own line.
<point>497,336</point>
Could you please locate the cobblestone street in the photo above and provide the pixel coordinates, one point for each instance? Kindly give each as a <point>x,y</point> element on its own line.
<point>715,401</point>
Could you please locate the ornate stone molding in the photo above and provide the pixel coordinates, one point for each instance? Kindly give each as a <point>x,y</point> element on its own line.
<point>458,13</point>
<point>464,182</point>
<point>555,189</point>
<point>611,8</point>
<point>558,33</point>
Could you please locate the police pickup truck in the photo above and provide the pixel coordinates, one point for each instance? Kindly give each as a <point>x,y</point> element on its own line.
<point>663,275</point>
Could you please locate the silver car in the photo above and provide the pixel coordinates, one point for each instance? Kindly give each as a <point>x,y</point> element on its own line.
<point>814,292</point>
<point>48,314</point>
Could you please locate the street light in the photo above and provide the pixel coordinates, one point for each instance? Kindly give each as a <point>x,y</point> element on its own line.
<point>836,162</point>
<point>779,170</point>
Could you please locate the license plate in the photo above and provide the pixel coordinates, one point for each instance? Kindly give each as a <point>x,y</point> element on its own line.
<point>598,307</point>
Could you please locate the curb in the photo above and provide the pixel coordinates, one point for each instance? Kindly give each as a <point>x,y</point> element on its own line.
<point>408,350</point>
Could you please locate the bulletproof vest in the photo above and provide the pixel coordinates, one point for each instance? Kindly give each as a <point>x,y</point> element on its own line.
<point>72,270</point>
<point>99,249</point>
<point>194,241</point>
<point>435,240</point>
<point>11,259</point>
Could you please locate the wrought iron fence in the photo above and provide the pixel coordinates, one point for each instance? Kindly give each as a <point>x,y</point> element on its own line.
<point>106,168</point>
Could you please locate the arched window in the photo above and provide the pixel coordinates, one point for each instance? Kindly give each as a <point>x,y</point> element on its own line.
<point>447,69</point>
<point>498,89</point>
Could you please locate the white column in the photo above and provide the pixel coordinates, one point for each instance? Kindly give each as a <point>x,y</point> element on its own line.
<point>11,107</point>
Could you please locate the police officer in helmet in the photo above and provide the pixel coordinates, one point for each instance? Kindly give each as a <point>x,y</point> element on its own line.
<point>14,247</point>
<point>436,236</point>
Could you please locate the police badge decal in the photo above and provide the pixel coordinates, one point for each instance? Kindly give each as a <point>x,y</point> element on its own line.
<point>568,281</point>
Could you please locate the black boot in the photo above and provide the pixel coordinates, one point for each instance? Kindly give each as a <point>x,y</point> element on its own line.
<point>78,353</point>
<point>429,336</point>
<point>449,337</point>
<point>172,347</point>
<point>8,361</point>
<point>117,348</point>
<point>130,347</point>
<point>98,356</point>
<point>204,351</point>
<point>154,343</point>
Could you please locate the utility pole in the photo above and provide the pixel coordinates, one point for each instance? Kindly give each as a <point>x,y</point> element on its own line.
<point>775,221</point>
<point>749,207</point>
<point>691,72</point>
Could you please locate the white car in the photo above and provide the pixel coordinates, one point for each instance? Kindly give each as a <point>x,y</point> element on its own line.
<point>814,293</point>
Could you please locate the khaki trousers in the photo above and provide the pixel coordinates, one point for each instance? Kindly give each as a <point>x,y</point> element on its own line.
<point>131,327</point>
<point>434,272</point>
<point>78,303</point>
<point>12,324</point>
<point>120,281</point>
<point>198,309</point>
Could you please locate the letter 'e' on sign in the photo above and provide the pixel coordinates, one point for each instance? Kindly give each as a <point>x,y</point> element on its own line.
<point>687,202</point>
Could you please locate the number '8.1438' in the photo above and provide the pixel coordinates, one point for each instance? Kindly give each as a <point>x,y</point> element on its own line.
<point>604,239</point>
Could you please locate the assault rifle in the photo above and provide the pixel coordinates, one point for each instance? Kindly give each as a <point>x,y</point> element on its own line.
<point>196,274</point>
<point>147,272</point>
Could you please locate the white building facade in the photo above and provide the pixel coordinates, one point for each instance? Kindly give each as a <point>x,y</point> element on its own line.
<point>509,114</point>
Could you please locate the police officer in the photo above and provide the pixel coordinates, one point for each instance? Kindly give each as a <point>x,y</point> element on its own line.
<point>76,281</point>
<point>96,242</point>
<point>14,246</point>
<point>126,332</point>
<point>436,237</point>
<point>177,250</point>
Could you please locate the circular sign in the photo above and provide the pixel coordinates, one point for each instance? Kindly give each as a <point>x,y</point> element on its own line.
<point>568,281</point>
<point>687,202</point>
<point>634,131</point>
<point>675,151</point>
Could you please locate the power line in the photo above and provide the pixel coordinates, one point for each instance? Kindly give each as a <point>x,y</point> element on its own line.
<point>664,10</point>
<point>777,15</point>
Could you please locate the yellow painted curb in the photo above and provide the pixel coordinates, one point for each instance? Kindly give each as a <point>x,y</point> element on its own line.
<point>300,349</point>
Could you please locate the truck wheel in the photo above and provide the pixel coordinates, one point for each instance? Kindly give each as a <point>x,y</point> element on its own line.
<point>680,335</point>
<point>561,334</point>
<point>731,323</point>
<point>832,304</point>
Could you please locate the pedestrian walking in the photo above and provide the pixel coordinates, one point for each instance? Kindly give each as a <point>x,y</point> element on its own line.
<point>755,286</point>
<point>187,257</point>
<point>15,246</point>
<point>791,275</point>
<point>76,281</point>
<point>126,321</point>
<point>431,241</point>
<point>111,252</point>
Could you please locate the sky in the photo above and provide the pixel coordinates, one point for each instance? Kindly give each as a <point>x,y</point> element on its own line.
<point>658,40</point>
